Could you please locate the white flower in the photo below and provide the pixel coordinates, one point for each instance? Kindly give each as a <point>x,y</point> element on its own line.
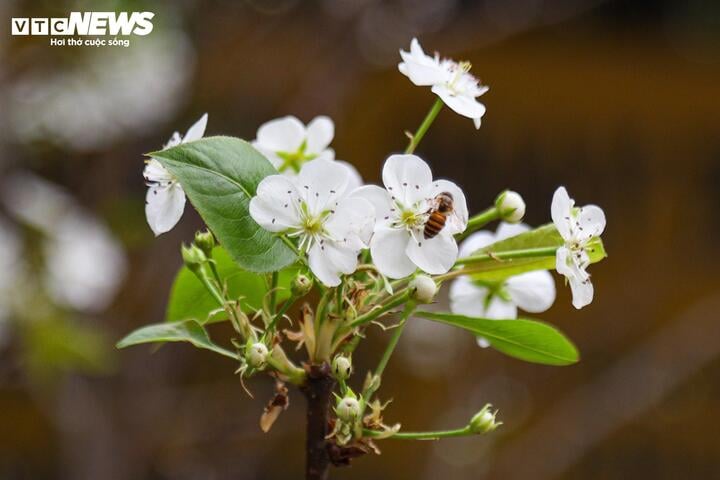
<point>165,199</point>
<point>289,144</point>
<point>577,226</point>
<point>399,244</point>
<point>313,206</point>
<point>450,80</point>
<point>532,291</point>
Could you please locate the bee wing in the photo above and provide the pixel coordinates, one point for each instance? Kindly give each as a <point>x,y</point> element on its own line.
<point>454,224</point>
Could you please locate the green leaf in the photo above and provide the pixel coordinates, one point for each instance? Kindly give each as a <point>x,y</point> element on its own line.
<point>187,331</point>
<point>219,176</point>
<point>528,340</point>
<point>189,299</point>
<point>492,270</point>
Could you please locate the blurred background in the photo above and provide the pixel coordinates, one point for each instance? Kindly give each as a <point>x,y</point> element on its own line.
<point>617,100</point>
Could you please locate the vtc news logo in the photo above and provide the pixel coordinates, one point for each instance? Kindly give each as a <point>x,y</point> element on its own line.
<point>86,23</point>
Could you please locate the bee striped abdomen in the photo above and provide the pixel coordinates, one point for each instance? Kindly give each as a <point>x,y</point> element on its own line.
<point>434,224</point>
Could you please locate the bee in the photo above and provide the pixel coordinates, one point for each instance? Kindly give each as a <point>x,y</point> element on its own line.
<point>442,208</point>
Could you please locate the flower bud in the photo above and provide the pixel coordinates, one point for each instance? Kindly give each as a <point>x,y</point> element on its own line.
<point>342,367</point>
<point>484,420</point>
<point>193,256</point>
<point>205,241</point>
<point>256,355</point>
<point>423,289</point>
<point>348,409</point>
<point>301,285</point>
<point>511,206</point>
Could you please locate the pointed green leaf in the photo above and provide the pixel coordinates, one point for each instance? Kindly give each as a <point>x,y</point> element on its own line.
<point>528,340</point>
<point>219,176</point>
<point>187,331</point>
<point>491,269</point>
<point>189,299</point>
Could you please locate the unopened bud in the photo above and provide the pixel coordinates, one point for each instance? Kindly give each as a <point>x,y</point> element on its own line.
<point>301,285</point>
<point>193,256</point>
<point>205,241</point>
<point>422,289</point>
<point>348,409</point>
<point>256,355</point>
<point>484,420</point>
<point>511,206</point>
<point>342,367</point>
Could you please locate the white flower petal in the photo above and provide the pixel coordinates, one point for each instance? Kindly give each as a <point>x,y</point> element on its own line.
<point>475,242</point>
<point>582,292</point>
<point>589,223</point>
<point>322,183</point>
<point>433,255</point>
<point>572,268</point>
<point>154,172</point>
<point>380,200</point>
<point>320,132</point>
<point>353,219</point>
<point>270,155</point>
<point>420,68</point>
<point>354,178</point>
<point>164,206</point>
<point>457,221</point>
<point>466,298</point>
<point>329,260</point>
<point>464,105</point>
<point>275,206</point>
<point>560,211</point>
<point>284,134</point>
<point>499,309</point>
<point>197,130</point>
<point>387,247</point>
<point>406,177</point>
<point>534,292</point>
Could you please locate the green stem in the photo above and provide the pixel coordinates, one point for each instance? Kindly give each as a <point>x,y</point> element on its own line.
<point>202,275</point>
<point>273,292</point>
<point>458,432</point>
<point>398,331</point>
<point>283,310</point>
<point>375,383</point>
<point>429,119</point>
<point>508,255</point>
<point>478,221</point>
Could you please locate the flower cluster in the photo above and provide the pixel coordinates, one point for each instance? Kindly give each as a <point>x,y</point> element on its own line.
<point>295,220</point>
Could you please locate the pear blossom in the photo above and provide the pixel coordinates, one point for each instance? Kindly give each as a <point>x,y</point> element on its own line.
<point>288,144</point>
<point>331,223</point>
<point>578,226</point>
<point>450,80</point>
<point>532,291</point>
<point>402,208</point>
<point>165,199</point>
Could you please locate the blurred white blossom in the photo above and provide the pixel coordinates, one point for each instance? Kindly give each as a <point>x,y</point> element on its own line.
<point>113,92</point>
<point>532,291</point>
<point>84,263</point>
<point>289,144</point>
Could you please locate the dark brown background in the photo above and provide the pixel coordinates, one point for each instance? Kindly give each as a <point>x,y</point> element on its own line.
<point>617,100</point>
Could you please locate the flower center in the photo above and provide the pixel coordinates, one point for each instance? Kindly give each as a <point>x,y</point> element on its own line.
<point>411,219</point>
<point>295,160</point>
<point>459,69</point>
